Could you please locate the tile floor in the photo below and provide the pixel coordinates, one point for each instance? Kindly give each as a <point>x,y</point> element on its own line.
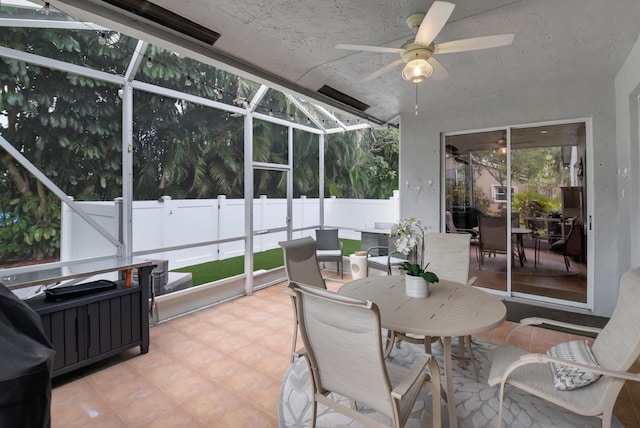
<point>221,367</point>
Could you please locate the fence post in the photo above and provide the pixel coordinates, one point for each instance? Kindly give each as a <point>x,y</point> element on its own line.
<point>260,226</point>
<point>221,249</point>
<point>119,205</point>
<point>303,210</point>
<point>166,222</point>
<point>66,232</point>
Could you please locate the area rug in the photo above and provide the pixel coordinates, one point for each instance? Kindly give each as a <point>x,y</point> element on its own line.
<point>498,264</point>
<point>477,403</point>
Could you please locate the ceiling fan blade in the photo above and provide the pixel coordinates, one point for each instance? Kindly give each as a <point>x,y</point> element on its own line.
<point>387,68</point>
<point>474,44</point>
<point>433,21</point>
<point>439,72</point>
<point>364,48</point>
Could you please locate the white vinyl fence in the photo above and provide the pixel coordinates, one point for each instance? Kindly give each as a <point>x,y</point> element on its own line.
<point>168,223</point>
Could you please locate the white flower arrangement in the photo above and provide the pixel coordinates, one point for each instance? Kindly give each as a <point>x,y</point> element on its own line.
<point>410,240</point>
<point>410,235</point>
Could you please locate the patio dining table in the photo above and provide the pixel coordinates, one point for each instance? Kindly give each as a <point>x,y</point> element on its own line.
<point>450,310</point>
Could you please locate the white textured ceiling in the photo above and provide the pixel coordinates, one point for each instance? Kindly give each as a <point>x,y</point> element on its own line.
<point>555,40</point>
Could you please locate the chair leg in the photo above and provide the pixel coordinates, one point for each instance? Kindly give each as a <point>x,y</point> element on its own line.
<point>314,411</point>
<point>295,340</point>
<point>472,360</point>
<point>501,404</point>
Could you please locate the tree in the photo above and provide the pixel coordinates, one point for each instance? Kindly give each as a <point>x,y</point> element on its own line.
<point>70,127</point>
<point>63,124</point>
<point>368,157</point>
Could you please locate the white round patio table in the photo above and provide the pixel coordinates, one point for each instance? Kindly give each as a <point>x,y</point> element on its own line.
<point>450,310</point>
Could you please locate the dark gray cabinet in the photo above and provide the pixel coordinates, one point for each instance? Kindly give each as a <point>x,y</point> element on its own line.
<point>90,328</point>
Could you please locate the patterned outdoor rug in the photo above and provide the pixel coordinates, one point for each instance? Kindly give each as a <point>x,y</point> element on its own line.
<point>477,403</point>
<point>549,267</point>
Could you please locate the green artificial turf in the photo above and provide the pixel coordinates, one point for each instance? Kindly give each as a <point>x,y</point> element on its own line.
<point>212,271</point>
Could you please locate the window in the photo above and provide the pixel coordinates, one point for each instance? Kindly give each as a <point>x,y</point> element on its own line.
<point>499,193</point>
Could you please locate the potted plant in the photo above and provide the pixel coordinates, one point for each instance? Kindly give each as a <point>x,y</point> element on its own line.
<point>414,269</point>
<point>410,241</point>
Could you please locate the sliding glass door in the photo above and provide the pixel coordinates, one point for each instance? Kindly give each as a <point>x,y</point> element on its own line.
<point>475,187</point>
<point>529,183</point>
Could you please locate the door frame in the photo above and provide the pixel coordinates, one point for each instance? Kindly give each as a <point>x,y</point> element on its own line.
<point>589,207</point>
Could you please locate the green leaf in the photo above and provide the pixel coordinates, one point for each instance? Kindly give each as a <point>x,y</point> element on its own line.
<point>430,277</point>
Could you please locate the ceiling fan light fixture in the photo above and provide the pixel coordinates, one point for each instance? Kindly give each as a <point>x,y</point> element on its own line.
<point>417,70</point>
<point>502,146</point>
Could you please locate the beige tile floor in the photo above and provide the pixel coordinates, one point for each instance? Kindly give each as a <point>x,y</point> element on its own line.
<point>221,367</point>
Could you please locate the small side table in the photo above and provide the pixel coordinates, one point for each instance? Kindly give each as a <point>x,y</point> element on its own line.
<point>358,266</point>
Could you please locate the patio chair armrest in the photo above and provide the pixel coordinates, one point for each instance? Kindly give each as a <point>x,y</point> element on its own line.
<point>391,254</point>
<point>543,359</point>
<point>289,291</point>
<point>539,321</point>
<point>413,376</point>
<point>376,248</point>
<point>302,352</point>
<point>471,232</point>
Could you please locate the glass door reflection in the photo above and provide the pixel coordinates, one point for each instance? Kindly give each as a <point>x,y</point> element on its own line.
<point>547,248</point>
<point>475,188</point>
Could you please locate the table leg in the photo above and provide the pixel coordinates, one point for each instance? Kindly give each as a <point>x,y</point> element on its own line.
<point>391,339</point>
<point>448,376</point>
<point>520,245</point>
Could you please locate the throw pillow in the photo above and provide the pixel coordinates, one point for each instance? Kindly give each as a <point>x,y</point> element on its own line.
<point>566,378</point>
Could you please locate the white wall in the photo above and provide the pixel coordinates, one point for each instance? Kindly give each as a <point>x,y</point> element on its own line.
<point>420,158</point>
<point>359,214</point>
<point>627,91</point>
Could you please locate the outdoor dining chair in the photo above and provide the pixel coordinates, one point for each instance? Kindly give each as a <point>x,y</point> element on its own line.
<point>492,238</point>
<point>572,245</point>
<point>301,265</point>
<point>448,257</point>
<point>451,228</point>
<point>344,350</point>
<point>384,258</point>
<point>329,248</point>
<point>605,364</point>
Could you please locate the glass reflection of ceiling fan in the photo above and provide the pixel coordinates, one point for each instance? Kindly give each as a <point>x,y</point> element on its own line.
<point>418,52</point>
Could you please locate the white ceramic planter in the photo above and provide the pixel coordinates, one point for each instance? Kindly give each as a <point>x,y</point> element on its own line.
<point>416,286</point>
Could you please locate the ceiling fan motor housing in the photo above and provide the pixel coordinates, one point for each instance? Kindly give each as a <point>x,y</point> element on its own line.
<point>417,59</point>
<point>412,51</point>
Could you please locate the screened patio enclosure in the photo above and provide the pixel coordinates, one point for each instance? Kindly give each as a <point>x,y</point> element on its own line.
<point>91,115</point>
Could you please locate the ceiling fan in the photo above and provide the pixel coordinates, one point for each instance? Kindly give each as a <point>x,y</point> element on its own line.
<point>417,53</point>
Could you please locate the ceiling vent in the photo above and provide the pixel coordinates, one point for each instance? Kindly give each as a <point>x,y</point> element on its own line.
<point>166,18</point>
<point>343,98</point>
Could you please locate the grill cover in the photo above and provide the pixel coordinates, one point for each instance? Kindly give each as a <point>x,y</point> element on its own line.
<point>26,361</point>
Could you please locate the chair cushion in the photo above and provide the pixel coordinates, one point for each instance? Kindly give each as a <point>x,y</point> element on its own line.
<point>382,260</point>
<point>329,253</point>
<point>566,378</point>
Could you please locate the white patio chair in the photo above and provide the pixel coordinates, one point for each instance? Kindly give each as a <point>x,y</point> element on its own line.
<point>329,248</point>
<point>448,257</point>
<point>301,265</point>
<point>343,347</point>
<point>385,258</point>
<point>616,348</point>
